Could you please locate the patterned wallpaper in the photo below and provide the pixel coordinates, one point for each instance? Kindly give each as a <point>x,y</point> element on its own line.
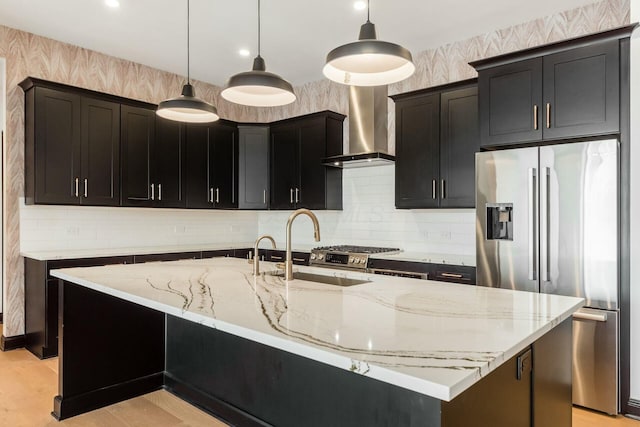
<point>31,55</point>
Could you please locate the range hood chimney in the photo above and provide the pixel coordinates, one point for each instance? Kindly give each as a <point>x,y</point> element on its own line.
<point>367,130</point>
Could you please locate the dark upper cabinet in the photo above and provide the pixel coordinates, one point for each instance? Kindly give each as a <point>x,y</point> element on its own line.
<point>459,142</point>
<point>437,137</point>
<point>581,88</point>
<point>212,165</point>
<point>137,144</point>
<point>253,167</point>
<point>72,147</point>
<point>417,152</point>
<point>285,164</point>
<point>100,152</point>
<point>168,164</point>
<point>298,179</point>
<point>567,93</point>
<point>511,103</point>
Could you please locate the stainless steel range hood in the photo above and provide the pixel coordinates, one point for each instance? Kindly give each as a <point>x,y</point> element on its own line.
<point>367,130</point>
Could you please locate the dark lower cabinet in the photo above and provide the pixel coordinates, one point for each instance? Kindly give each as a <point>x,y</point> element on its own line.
<point>41,300</point>
<point>436,141</point>
<point>72,147</point>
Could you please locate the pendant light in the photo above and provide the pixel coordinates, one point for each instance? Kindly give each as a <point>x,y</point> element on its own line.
<point>368,61</point>
<point>258,88</point>
<point>186,107</point>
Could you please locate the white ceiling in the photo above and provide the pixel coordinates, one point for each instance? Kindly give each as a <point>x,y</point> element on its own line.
<point>296,34</point>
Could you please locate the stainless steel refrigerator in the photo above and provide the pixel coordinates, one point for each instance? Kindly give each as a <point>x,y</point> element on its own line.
<point>547,221</point>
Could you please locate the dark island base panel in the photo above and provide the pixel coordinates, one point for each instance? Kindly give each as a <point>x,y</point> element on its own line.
<point>110,350</point>
<point>113,350</point>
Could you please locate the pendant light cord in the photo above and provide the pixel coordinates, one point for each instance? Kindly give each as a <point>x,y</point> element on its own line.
<point>188,43</point>
<point>368,2</point>
<point>258,27</point>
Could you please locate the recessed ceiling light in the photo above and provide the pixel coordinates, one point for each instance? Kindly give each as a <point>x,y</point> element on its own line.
<point>244,52</point>
<point>360,5</point>
<point>112,3</point>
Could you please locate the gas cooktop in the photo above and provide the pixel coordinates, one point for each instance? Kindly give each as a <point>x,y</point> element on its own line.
<point>346,256</point>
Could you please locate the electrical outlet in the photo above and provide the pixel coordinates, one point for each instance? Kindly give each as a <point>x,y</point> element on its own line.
<point>445,235</point>
<point>73,230</point>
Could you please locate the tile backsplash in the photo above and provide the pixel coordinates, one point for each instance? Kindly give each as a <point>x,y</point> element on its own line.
<point>368,218</point>
<point>45,228</point>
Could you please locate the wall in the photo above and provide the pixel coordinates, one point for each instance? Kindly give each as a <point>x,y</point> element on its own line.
<point>370,218</point>
<point>635,204</point>
<point>3,105</point>
<point>30,55</point>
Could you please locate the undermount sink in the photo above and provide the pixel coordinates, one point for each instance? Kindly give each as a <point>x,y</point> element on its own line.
<point>327,280</point>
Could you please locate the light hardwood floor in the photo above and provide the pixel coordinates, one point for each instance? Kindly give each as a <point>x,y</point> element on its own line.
<point>27,387</point>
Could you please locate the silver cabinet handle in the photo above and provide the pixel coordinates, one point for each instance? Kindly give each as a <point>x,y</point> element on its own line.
<point>77,180</point>
<point>297,195</point>
<point>291,195</point>
<point>153,192</point>
<point>211,195</point>
<point>548,115</point>
<point>590,316</point>
<point>86,188</point>
<point>532,224</point>
<point>264,197</point>
<point>276,257</point>
<point>453,275</point>
<point>535,117</point>
<point>442,193</point>
<point>217,195</point>
<point>544,224</point>
<point>434,185</point>
<point>159,191</point>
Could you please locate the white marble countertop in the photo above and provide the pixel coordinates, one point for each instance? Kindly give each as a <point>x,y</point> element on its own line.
<point>50,255</point>
<point>452,259</point>
<point>434,338</point>
<point>142,250</point>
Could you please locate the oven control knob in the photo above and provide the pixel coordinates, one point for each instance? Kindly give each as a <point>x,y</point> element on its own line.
<point>351,260</point>
<point>313,256</point>
<point>359,260</point>
<point>320,256</point>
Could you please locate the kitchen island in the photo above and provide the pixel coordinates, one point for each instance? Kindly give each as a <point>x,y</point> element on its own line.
<point>262,351</point>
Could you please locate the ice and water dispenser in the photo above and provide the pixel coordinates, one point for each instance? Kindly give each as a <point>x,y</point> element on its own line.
<point>499,221</point>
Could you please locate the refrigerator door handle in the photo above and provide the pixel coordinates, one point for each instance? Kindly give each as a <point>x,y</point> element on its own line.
<point>600,317</point>
<point>544,224</point>
<point>532,267</point>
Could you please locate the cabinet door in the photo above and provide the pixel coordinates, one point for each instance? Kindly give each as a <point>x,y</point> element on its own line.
<point>223,162</point>
<point>57,147</point>
<point>137,138</point>
<point>511,103</point>
<point>459,142</point>
<point>582,91</point>
<point>310,193</point>
<point>100,148</point>
<point>197,168</point>
<point>417,152</point>
<point>253,167</point>
<point>285,159</point>
<point>168,164</point>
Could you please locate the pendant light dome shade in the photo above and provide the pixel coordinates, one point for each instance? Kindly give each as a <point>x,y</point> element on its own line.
<point>258,87</point>
<point>187,108</point>
<point>368,61</point>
